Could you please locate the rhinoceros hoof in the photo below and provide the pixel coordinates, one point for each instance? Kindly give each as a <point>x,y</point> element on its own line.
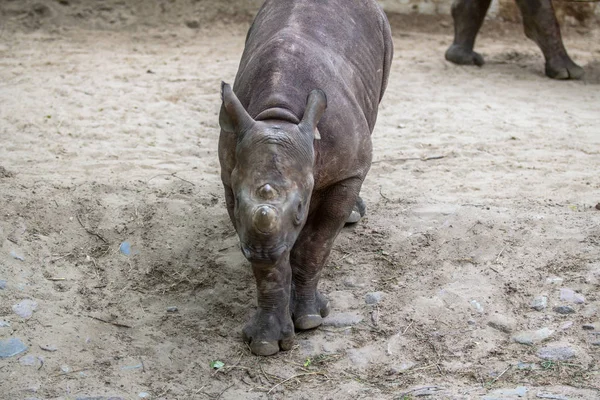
<point>463,56</point>
<point>563,68</point>
<point>267,333</point>
<point>309,315</point>
<point>358,212</point>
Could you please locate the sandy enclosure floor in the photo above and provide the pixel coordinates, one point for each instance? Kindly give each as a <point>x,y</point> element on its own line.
<point>481,198</point>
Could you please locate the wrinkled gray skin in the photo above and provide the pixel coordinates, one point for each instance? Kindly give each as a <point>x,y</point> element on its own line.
<point>295,147</point>
<point>540,24</point>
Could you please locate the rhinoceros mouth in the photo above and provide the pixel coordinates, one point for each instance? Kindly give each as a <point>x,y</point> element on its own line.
<point>263,254</point>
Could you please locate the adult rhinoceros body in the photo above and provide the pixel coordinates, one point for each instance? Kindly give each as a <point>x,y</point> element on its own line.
<point>295,147</point>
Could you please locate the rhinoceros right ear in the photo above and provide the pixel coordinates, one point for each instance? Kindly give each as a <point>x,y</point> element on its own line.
<point>315,107</point>
<point>233,117</point>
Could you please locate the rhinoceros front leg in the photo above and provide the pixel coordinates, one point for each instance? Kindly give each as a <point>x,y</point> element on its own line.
<point>271,327</point>
<point>468,17</point>
<point>542,27</point>
<point>308,306</point>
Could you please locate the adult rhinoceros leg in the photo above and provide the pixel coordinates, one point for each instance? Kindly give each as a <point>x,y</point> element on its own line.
<point>542,27</point>
<point>468,17</point>
<point>332,209</point>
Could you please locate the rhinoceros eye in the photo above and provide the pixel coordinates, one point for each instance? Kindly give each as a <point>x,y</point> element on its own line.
<point>299,214</point>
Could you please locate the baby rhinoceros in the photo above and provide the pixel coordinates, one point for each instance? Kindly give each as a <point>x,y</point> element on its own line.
<point>295,147</point>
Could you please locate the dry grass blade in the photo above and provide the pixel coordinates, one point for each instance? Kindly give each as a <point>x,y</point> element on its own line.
<point>294,377</point>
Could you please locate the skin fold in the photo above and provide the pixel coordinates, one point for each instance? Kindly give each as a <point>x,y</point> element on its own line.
<point>295,147</point>
<point>540,24</point>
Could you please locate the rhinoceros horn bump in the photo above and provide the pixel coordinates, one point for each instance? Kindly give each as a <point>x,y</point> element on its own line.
<point>265,219</point>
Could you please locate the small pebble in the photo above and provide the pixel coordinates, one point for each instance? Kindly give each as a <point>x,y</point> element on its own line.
<point>502,323</point>
<point>65,369</point>
<point>532,337</point>
<point>25,308</point>
<point>192,24</point>
<point>342,319</point>
<point>29,360</point>
<point>564,310</point>
<point>587,327</point>
<point>566,325</point>
<point>172,309</point>
<point>478,307</point>
<point>554,279</point>
<point>4,324</point>
<point>2,284</point>
<point>48,347</point>
<point>522,365</point>
<point>539,303</point>
<point>143,395</point>
<point>374,297</point>
<point>571,296</point>
<point>14,255</point>
<point>556,353</point>
<point>11,347</point>
<point>125,248</point>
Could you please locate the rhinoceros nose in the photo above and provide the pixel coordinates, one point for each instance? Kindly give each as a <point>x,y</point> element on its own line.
<point>265,218</point>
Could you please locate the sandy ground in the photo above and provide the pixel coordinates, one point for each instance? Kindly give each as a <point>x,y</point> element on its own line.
<point>482,196</point>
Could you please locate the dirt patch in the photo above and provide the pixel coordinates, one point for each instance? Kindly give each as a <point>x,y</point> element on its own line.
<point>480,199</point>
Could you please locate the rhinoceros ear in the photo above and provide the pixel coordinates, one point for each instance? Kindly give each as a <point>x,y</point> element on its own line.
<point>233,117</point>
<point>315,107</point>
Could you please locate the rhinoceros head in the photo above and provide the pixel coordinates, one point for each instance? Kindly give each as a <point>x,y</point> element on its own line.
<point>272,180</point>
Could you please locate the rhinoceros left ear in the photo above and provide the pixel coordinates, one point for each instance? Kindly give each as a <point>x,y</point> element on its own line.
<point>315,107</point>
<point>233,116</point>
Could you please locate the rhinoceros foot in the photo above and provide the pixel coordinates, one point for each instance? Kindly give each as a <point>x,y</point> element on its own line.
<point>563,68</point>
<point>308,314</point>
<point>268,332</point>
<point>463,56</point>
<point>358,212</point>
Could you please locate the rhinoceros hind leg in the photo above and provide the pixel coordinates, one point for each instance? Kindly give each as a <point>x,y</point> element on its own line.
<point>267,333</point>
<point>542,27</point>
<point>463,56</point>
<point>358,211</point>
<point>563,68</point>
<point>468,17</point>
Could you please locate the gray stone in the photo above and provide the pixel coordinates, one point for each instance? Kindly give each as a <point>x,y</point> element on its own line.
<point>25,308</point>
<point>532,337</point>
<point>374,297</point>
<point>556,352</point>
<point>565,310</point>
<point>192,24</point>
<point>526,366</point>
<point>539,303</point>
<point>589,327</point>
<point>11,347</point>
<point>477,306</point>
<point>172,309</point>
<point>2,284</point>
<point>502,323</point>
<point>31,360</point>
<point>571,296</point>
<point>339,320</point>
<point>48,347</point>
<point>566,325</point>
<point>4,324</point>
